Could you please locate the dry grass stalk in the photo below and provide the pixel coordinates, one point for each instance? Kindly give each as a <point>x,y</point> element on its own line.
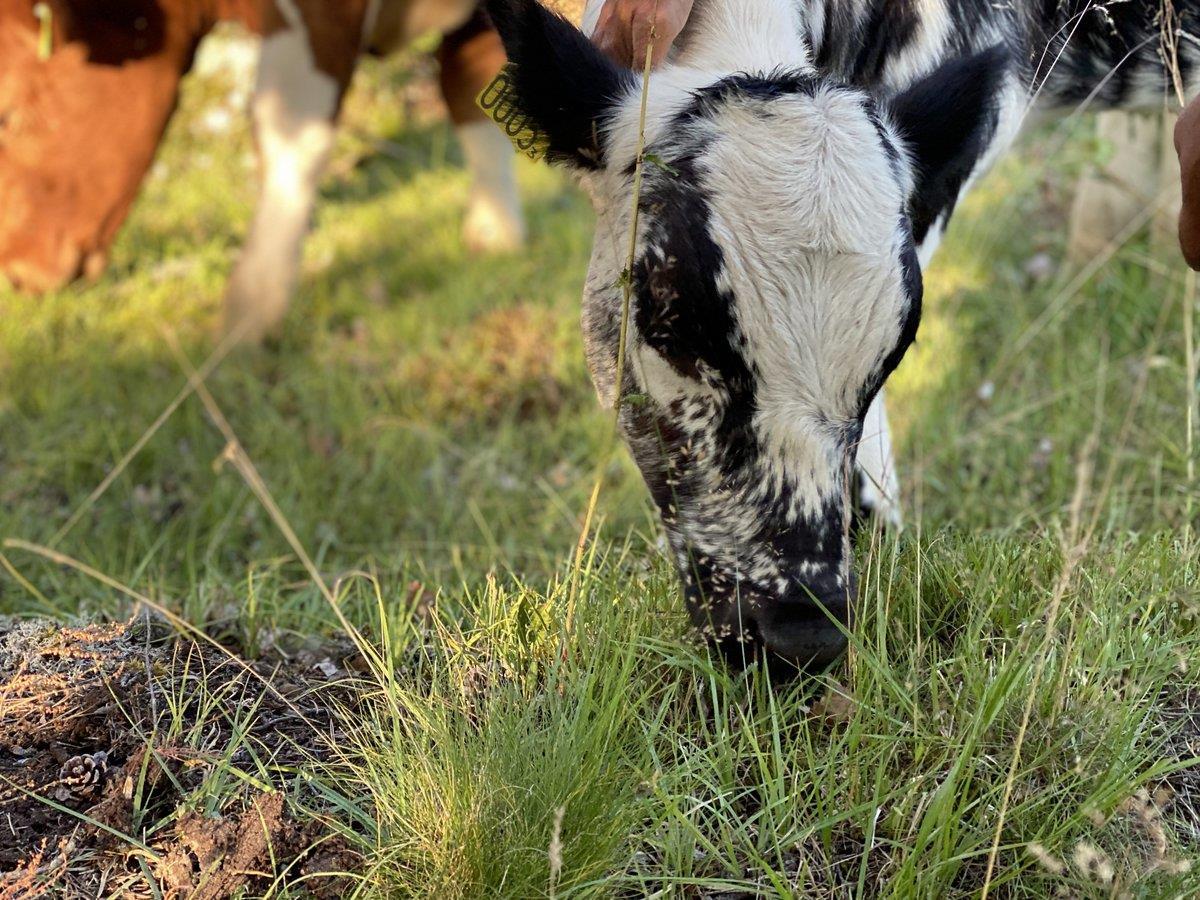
<point>622,341</point>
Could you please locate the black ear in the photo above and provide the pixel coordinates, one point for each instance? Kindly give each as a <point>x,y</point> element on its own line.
<point>947,119</point>
<point>566,87</point>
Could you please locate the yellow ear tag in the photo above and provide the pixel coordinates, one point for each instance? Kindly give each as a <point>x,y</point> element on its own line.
<point>499,102</point>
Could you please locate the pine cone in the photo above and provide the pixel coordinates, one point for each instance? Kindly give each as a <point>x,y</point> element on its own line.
<point>83,773</point>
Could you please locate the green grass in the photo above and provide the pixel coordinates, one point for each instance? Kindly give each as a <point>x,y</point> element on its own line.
<point>426,417</point>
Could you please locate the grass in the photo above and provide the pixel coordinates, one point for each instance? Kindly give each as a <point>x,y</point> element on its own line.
<point>426,425</point>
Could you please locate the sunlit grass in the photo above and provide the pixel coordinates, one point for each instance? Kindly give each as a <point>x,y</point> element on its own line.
<point>425,422</point>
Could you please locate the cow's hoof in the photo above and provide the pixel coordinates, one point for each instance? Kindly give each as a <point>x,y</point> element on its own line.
<point>246,323</point>
<point>493,228</point>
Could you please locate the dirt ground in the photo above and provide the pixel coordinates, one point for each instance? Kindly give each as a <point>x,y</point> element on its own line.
<point>137,763</point>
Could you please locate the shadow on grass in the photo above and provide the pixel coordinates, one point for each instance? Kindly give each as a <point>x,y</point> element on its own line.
<point>421,407</point>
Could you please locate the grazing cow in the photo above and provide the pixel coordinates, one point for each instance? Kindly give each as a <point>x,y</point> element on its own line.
<point>806,157</point>
<point>81,118</point>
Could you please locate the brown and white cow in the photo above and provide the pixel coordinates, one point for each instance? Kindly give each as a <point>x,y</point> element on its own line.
<point>79,125</point>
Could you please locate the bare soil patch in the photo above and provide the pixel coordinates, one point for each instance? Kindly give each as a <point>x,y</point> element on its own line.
<point>134,762</point>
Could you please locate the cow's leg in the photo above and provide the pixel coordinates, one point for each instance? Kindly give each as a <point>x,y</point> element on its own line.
<point>1109,197</point>
<point>296,100</point>
<point>470,57</point>
<point>878,486</point>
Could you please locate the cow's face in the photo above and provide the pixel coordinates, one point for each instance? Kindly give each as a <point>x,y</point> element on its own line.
<point>775,285</point>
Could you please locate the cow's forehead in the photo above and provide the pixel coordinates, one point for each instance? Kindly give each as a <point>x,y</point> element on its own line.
<point>685,104</point>
<point>773,263</point>
<point>816,170</point>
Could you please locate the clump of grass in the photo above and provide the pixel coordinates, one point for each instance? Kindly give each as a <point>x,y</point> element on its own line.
<point>674,774</point>
<point>506,762</point>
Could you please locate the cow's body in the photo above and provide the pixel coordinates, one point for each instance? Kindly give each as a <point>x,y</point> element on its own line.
<point>79,129</point>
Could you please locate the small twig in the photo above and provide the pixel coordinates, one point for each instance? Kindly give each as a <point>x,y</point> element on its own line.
<point>1168,42</point>
<point>236,454</point>
<point>45,16</point>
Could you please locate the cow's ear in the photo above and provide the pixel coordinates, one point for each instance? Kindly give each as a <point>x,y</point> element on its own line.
<point>559,80</point>
<point>947,120</point>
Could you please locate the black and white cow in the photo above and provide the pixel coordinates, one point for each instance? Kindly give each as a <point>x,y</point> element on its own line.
<point>808,155</point>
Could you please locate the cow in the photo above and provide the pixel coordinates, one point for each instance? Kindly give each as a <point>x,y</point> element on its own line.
<point>803,158</point>
<point>86,93</point>
<point>82,109</point>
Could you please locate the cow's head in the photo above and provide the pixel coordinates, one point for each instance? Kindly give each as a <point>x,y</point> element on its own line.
<point>775,286</point>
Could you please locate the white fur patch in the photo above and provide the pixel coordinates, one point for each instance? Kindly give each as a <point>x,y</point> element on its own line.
<point>880,485</point>
<point>741,36</point>
<point>811,235</point>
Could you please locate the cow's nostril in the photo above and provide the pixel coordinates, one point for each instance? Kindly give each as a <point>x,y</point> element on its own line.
<point>805,637</point>
<point>791,638</point>
<point>788,655</point>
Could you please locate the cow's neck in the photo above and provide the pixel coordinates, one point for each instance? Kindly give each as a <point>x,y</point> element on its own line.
<point>1064,53</point>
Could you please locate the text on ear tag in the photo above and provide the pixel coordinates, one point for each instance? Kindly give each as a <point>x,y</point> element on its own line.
<point>499,102</point>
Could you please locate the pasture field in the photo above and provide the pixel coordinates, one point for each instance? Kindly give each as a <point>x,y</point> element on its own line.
<point>1019,717</point>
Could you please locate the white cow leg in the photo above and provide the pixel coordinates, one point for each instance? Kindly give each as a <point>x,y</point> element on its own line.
<point>469,58</point>
<point>879,488</point>
<point>494,222</point>
<point>293,111</point>
<point>1110,196</point>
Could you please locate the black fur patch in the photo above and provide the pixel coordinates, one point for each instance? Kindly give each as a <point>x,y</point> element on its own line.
<point>914,289</point>
<point>948,119</point>
<point>761,87</point>
<point>1065,51</point>
<point>1098,51</point>
<point>862,38</point>
<point>889,148</point>
<point>891,25</point>
<point>565,85</point>
<point>682,313</point>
